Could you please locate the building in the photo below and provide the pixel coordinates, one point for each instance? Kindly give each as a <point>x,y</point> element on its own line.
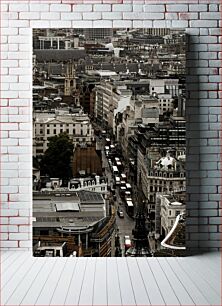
<point>94,184</point>
<point>170,208</point>
<point>81,217</point>
<point>49,124</point>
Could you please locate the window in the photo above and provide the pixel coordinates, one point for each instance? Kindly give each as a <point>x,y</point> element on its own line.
<point>169,212</point>
<point>54,132</point>
<point>54,125</point>
<point>61,131</point>
<point>48,131</point>
<point>177,213</point>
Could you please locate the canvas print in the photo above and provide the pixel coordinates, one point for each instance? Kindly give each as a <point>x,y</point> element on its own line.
<point>109,142</point>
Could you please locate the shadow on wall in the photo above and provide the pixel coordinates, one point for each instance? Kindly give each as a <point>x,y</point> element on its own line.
<point>193,149</point>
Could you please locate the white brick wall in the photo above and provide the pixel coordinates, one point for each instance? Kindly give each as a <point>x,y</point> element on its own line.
<point>201,18</point>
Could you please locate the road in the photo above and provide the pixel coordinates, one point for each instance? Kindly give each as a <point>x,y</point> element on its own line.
<point>126,224</point>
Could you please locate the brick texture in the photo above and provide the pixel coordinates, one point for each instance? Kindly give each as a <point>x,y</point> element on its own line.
<point>201,19</point>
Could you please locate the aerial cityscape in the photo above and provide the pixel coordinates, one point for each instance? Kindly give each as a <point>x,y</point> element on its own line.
<point>109,142</point>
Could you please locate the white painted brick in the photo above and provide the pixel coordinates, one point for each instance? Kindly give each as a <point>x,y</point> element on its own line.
<point>121,7</point>
<point>40,7</point>
<point>213,15</point>
<point>24,229</point>
<point>18,236</point>
<point>213,7</point>
<point>102,7</point>
<point>13,47</point>
<point>4,236</point>
<point>154,8</point>
<point>9,212</point>
<point>29,15</point>
<point>19,134</point>
<point>39,24</point>
<point>9,15</point>
<point>50,16</point>
<point>112,15</point>
<point>9,142</point>
<point>137,24</point>
<point>187,16</point>
<point>19,220</point>
<point>60,8</point>
<point>25,31</point>
<point>4,220</point>
<point>19,86</point>
<point>9,31</point>
<point>4,23</point>
<point>215,63</point>
<point>180,23</point>
<point>26,48</point>
<point>9,244</point>
<point>9,228</point>
<point>92,15</point>
<point>9,94</point>
<point>122,23</point>
<point>102,23</point>
<point>25,126</point>
<point>19,102</point>
<point>19,71</point>
<point>21,7</point>
<point>16,39</point>
<point>137,8</point>
<point>132,15</point>
<point>162,23</point>
<point>197,7</point>
<point>25,244</point>
<point>25,64</point>
<point>71,16</point>
<point>4,7</point>
<point>203,23</point>
<point>208,40</point>
<point>82,24</point>
<point>60,24</point>
<point>171,16</point>
<point>177,8</point>
<point>18,23</point>
<point>24,212</point>
<point>9,63</point>
<point>82,8</point>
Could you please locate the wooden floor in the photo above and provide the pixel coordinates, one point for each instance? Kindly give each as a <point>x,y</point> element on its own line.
<point>194,280</point>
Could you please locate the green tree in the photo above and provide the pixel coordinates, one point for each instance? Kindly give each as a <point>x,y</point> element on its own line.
<point>57,158</point>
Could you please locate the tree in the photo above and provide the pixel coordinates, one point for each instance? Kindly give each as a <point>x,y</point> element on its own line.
<point>57,158</point>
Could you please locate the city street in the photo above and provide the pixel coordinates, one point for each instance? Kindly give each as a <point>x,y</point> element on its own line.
<point>126,224</point>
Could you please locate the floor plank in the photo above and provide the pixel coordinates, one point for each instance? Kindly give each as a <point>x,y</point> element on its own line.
<point>188,283</point>
<point>110,281</point>
<point>47,291</point>
<point>100,283</point>
<point>10,261</point>
<point>86,294</point>
<point>62,287</point>
<point>39,282</point>
<point>113,285</point>
<point>204,287</point>
<point>180,291</point>
<point>152,287</point>
<point>139,289</point>
<point>166,289</point>
<point>126,289</point>
<point>13,270</point>
<point>74,289</point>
<point>213,279</point>
<point>4,255</point>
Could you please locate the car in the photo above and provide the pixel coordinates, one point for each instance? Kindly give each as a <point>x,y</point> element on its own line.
<point>120,213</point>
<point>127,242</point>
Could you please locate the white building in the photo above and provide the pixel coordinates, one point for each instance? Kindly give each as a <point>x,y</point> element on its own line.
<point>47,125</point>
<point>97,184</point>
<point>170,208</point>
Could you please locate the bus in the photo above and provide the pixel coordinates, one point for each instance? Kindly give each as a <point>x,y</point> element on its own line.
<point>115,170</point>
<point>130,207</point>
<point>128,187</point>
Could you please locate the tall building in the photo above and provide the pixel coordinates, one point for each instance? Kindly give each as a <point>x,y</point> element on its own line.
<point>96,33</point>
